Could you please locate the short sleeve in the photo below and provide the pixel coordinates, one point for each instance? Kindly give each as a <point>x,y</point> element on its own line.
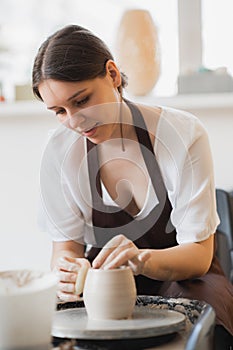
<point>194,215</point>
<point>60,220</point>
<point>189,176</point>
<point>58,213</point>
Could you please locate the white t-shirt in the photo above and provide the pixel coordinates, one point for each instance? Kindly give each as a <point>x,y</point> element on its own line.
<point>184,157</point>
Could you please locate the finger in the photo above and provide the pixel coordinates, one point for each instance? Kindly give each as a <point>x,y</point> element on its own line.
<point>109,247</point>
<point>72,264</point>
<point>66,287</point>
<point>66,264</point>
<point>144,256</point>
<point>67,276</point>
<point>119,259</point>
<point>124,252</point>
<point>137,263</point>
<point>67,297</point>
<point>83,262</point>
<point>136,266</point>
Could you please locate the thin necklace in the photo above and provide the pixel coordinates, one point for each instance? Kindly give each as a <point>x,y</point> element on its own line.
<point>121,128</point>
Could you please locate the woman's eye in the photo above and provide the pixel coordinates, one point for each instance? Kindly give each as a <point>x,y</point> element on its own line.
<point>60,111</point>
<point>76,103</point>
<point>82,102</point>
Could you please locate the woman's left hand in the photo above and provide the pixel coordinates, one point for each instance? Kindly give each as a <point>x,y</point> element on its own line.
<point>121,251</point>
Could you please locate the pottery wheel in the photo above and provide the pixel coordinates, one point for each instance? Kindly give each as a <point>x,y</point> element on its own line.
<point>146,322</point>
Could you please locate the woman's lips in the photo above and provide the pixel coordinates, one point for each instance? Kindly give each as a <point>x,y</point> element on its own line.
<point>89,132</point>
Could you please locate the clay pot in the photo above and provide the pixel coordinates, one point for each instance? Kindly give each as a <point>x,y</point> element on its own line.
<point>109,294</point>
<point>137,51</point>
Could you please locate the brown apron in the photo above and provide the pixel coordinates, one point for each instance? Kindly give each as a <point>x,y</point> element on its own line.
<point>155,232</point>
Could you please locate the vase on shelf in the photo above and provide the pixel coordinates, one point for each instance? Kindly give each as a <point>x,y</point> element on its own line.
<point>138,51</point>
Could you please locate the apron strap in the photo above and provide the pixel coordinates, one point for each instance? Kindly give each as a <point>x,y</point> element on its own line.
<point>148,152</point>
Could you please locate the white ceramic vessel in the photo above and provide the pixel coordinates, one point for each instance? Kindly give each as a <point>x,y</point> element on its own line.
<point>27,304</point>
<point>109,294</point>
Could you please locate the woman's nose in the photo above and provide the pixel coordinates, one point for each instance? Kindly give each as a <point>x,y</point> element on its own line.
<point>75,119</point>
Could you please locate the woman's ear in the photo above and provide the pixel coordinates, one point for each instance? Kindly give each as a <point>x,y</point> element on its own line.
<point>113,73</point>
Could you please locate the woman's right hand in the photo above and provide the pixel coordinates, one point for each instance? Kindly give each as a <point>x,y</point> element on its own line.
<point>71,276</point>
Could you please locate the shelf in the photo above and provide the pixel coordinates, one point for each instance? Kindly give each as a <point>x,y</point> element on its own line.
<point>187,102</point>
<point>23,109</point>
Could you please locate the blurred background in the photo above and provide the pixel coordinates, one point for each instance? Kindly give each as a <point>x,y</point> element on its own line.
<point>196,68</point>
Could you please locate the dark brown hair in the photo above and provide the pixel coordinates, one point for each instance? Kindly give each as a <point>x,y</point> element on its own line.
<point>73,53</point>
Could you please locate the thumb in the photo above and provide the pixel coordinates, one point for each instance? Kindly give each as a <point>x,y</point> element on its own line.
<point>144,256</point>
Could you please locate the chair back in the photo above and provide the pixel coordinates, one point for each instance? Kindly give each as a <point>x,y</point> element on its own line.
<point>202,334</point>
<point>224,235</point>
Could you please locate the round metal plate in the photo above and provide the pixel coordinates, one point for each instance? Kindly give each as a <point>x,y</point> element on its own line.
<point>146,322</point>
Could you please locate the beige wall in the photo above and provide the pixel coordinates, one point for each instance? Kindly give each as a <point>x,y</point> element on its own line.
<point>21,145</point>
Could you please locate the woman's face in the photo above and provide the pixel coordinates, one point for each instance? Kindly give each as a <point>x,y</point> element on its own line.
<point>90,107</point>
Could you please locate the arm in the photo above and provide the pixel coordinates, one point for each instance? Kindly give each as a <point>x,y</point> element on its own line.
<point>66,249</point>
<point>184,261</point>
<point>188,260</point>
<point>193,201</point>
<point>60,214</point>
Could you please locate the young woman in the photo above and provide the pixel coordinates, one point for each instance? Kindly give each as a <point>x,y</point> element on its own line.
<point>123,183</point>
